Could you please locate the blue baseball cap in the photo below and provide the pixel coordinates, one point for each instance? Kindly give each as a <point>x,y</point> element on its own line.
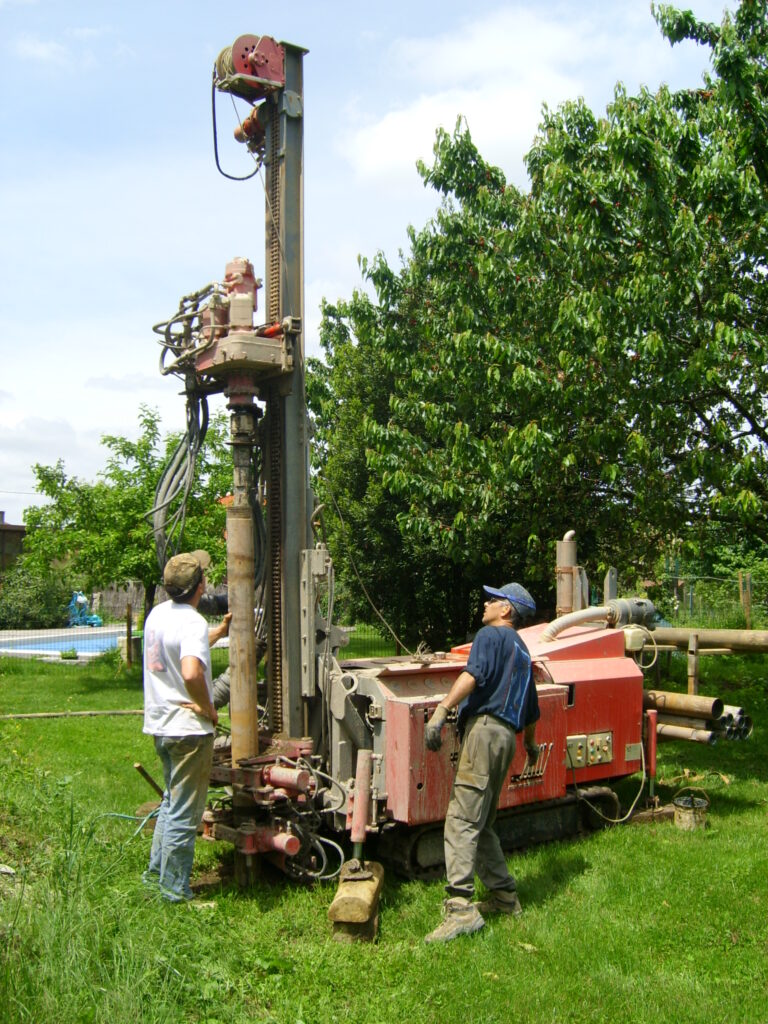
<point>517,596</point>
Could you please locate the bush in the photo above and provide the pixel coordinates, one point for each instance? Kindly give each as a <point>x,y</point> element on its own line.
<point>30,599</point>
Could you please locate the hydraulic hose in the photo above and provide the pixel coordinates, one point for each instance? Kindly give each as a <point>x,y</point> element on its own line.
<point>622,612</point>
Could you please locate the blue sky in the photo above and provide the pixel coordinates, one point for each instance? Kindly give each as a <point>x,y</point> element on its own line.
<point>111,207</point>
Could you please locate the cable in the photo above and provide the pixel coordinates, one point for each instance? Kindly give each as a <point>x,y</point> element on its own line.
<point>639,655</point>
<point>359,580</point>
<point>597,811</point>
<point>178,477</point>
<point>302,762</point>
<point>339,852</point>
<point>231,177</point>
<point>177,480</point>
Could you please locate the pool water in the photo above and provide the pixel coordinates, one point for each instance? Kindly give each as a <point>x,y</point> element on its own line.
<point>82,643</point>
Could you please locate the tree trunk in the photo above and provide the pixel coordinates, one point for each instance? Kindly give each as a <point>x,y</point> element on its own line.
<point>149,598</point>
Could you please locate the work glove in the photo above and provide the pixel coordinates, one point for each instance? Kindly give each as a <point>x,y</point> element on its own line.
<point>433,728</point>
<point>532,754</point>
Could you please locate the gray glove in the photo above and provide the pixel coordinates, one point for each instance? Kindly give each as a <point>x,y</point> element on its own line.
<point>532,751</point>
<point>433,728</point>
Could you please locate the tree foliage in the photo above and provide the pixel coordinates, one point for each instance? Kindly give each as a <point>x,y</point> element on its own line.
<point>31,598</point>
<point>379,566</point>
<point>99,533</point>
<point>588,353</point>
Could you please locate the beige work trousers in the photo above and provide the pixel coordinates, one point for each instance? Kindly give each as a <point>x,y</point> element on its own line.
<point>471,843</point>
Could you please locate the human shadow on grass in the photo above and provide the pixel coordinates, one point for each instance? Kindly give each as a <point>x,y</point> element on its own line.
<point>218,879</point>
<point>130,680</point>
<point>722,802</point>
<point>563,862</point>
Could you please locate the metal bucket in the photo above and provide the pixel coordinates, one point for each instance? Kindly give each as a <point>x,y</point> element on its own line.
<point>691,811</point>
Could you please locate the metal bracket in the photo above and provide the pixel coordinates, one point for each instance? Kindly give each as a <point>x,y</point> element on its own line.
<point>290,104</point>
<point>315,565</point>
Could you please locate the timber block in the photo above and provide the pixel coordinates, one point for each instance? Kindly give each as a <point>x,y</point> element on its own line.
<point>653,815</point>
<point>357,900</point>
<point>343,931</point>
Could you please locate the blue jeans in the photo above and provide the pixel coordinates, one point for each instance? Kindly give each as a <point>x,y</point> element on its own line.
<point>186,762</point>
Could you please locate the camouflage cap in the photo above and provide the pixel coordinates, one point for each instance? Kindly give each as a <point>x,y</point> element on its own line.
<point>183,572</point>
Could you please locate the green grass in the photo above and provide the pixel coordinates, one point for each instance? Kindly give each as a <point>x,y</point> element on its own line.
<point>636,924</point>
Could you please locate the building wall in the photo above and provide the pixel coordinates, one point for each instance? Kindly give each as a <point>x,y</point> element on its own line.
<point>11,540</point>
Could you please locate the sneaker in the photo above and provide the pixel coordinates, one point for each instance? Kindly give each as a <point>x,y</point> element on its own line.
<point>172,896</point>
<point>460,917</point>
<point>501,901</point>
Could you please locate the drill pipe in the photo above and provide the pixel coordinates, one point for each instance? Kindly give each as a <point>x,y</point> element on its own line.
<point>689,722</point>
<point>681,732</point>
<point>243,709</point>
<point>673,703</point>
<point>735,712</point>
<point>753,641</point>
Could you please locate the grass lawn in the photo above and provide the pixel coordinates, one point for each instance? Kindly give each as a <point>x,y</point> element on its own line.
<point>633,924</point>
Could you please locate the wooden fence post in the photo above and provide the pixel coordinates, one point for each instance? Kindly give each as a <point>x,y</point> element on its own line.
<point>129,634</point>
<point>748,599</point>
<point>693,663</point>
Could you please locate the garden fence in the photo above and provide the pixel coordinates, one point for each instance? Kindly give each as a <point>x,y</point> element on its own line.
<point>708,601</point>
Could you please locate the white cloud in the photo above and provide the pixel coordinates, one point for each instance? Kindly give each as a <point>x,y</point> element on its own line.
<point>104,246</point>
<point>497,70</point>
<point>31,440</point>
<point>135,383</point>
<point>88,33</point>
<point>45,51</point>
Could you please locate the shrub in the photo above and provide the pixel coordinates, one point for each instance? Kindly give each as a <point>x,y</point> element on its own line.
<point>30,599</point>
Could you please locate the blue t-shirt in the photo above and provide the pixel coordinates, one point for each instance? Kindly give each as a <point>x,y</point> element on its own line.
<point>500,664</point>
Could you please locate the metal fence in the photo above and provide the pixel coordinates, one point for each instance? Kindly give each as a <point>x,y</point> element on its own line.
<point>80,648</point>
<point>75,645</point>
<point>727,602</point>
<point>709,601</point>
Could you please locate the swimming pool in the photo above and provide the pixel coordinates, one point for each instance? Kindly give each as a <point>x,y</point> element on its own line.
<point>87,643</point>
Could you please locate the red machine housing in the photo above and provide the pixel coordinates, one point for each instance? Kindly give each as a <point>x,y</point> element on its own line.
<point>591,701</point>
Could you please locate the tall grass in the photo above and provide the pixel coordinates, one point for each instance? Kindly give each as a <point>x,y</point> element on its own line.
<point>640,924</point>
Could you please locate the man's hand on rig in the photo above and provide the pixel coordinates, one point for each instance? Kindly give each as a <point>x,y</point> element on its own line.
<point>434,727</point>
<point>217,633</point>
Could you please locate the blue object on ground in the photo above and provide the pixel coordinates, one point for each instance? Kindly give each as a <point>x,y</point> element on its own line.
<point>78,611</point>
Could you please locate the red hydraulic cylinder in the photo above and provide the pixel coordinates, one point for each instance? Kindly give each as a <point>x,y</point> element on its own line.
<point>287,778</point>
<point>284,842</point>
<point>362,799</point>
<point>266,839</point>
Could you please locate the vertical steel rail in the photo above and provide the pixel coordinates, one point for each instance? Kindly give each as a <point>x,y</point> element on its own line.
<point>288,496</point>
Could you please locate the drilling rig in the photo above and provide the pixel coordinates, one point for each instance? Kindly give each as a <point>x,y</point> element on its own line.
<point>329,749</point>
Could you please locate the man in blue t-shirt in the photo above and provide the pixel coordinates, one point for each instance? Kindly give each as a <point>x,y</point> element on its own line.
<point>497,699</point>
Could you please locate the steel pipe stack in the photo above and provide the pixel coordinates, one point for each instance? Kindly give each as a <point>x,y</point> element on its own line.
<point>682,716</point>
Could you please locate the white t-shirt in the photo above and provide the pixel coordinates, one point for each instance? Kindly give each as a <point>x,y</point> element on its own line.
<point>172,632</point>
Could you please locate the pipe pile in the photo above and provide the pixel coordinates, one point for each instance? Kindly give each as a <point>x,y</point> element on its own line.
<point>682,716</point>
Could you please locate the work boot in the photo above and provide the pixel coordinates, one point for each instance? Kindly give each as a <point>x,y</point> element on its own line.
<point>460,917</point>
<point>501,901</point>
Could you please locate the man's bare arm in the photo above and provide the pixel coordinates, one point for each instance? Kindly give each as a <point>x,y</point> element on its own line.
<point>193,673</point>
<point>463,685</point>
<point>217,632</point>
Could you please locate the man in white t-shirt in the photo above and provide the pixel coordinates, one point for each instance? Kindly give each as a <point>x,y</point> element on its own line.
<point>179,714</point>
